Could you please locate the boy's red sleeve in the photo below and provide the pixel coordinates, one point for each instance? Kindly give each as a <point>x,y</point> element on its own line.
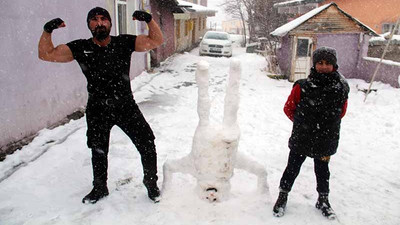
<point>292,101</point>
<point>344,109</point>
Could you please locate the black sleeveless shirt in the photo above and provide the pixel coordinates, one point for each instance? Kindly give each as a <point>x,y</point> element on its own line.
<point>106,68</point>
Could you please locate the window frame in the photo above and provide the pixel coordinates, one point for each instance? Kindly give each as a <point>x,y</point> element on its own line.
<point>178,29</point>
<point>388,27</point>
<point>117,4</point>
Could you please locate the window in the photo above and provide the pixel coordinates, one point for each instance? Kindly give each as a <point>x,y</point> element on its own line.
<point>388,27</point>
<point>120,11</point>
<point>307,8</point>
<point>187,24</point>
<point>199,24</point>
<point>178,29</point>
<point>284,10</point>
<point>293,10</point>
<point>302,47</point>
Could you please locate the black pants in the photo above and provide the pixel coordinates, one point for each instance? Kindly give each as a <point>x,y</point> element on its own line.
<point>101,116</point>
<point>295,161</point>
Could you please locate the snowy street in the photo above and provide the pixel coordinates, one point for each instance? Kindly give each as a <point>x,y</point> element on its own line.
<point>45,181</point>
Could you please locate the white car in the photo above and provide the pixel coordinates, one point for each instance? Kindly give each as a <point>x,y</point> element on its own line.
<point>216,43</point>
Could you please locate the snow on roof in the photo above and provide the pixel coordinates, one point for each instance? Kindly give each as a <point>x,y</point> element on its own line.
<point>295,2</point>
<point>195,7</point>
<point>287,3</point>
<point>283,30</point>
<point>384,61</point>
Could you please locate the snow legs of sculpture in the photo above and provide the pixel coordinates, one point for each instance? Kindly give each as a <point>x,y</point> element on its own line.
<point>214,152</point>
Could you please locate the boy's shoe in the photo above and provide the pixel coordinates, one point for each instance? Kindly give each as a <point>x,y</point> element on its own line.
<point>153,191</point>
<point>95,195</point>
<point>326,209</point>
<point>280,205</point>
<point>154,194</point>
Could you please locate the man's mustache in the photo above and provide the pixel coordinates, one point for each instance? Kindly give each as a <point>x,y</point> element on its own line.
<point>100,27</point>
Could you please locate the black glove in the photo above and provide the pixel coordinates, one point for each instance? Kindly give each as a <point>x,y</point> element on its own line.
<point>142,16</point>
<point>52,24</point>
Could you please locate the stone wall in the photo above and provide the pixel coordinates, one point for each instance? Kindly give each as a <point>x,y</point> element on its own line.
<point>393,52</point>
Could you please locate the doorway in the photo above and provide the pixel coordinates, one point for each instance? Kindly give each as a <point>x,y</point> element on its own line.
<point>301,63</point>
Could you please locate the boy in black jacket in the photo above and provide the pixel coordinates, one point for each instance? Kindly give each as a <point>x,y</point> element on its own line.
<point>316,106</point>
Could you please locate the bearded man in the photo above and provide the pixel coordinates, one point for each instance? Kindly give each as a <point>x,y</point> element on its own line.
<point>105,61</point>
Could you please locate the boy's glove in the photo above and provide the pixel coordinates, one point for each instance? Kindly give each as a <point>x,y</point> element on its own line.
<point>142,16</point>
<point>53,24</point>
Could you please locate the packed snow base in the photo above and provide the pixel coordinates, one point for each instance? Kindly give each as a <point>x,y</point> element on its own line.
<point>214,154</point>
<point>365,185</point>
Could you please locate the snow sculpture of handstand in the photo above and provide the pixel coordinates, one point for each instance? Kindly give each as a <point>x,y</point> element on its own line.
<point>214,152</point>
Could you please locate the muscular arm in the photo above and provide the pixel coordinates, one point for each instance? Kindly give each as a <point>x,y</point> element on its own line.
<point>46,49</point>
<point>151,41</point>
<point>48,52</point>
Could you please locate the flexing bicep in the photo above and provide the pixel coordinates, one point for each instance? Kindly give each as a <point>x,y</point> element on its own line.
<point>61,53</point>
<point>150,41</point>
<point>144,43</point>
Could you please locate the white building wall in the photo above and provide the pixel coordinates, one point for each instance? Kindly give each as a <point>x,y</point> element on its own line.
<point>35,94</point>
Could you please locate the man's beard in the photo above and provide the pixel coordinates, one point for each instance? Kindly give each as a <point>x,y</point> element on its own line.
<point>101,33</point>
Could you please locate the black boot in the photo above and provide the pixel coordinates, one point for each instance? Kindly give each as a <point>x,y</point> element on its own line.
<point>95,195</point>
<point>280,205</point>
<point>323,205</point>
<point>149,162</point>
<point>152,190</point>
<point>100,166</point>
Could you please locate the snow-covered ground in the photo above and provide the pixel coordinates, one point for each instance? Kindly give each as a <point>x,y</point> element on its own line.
<point>45,181</point>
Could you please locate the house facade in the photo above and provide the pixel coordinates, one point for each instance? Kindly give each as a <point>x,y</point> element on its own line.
<point>380,16</point>
<point>329,26</point>
<point>190,24</point>
<point>182,24</point>
<point>162,12</point>
<point>234,26</point>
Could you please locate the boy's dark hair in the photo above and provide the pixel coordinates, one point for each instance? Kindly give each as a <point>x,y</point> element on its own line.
<point>325,53</point>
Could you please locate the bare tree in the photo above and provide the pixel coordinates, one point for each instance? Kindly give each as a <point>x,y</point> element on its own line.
<point>251,10</point>
<point>267,19</point>
<point>259,16</point>
<point>236,9</point>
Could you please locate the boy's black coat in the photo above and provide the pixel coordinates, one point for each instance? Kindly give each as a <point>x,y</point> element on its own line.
<point>316,124</point>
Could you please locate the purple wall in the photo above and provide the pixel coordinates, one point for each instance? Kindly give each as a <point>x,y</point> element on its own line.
<point>284,55</point>
<point>347,48</point>
<point>388,72</point>
<point>35,94</point>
